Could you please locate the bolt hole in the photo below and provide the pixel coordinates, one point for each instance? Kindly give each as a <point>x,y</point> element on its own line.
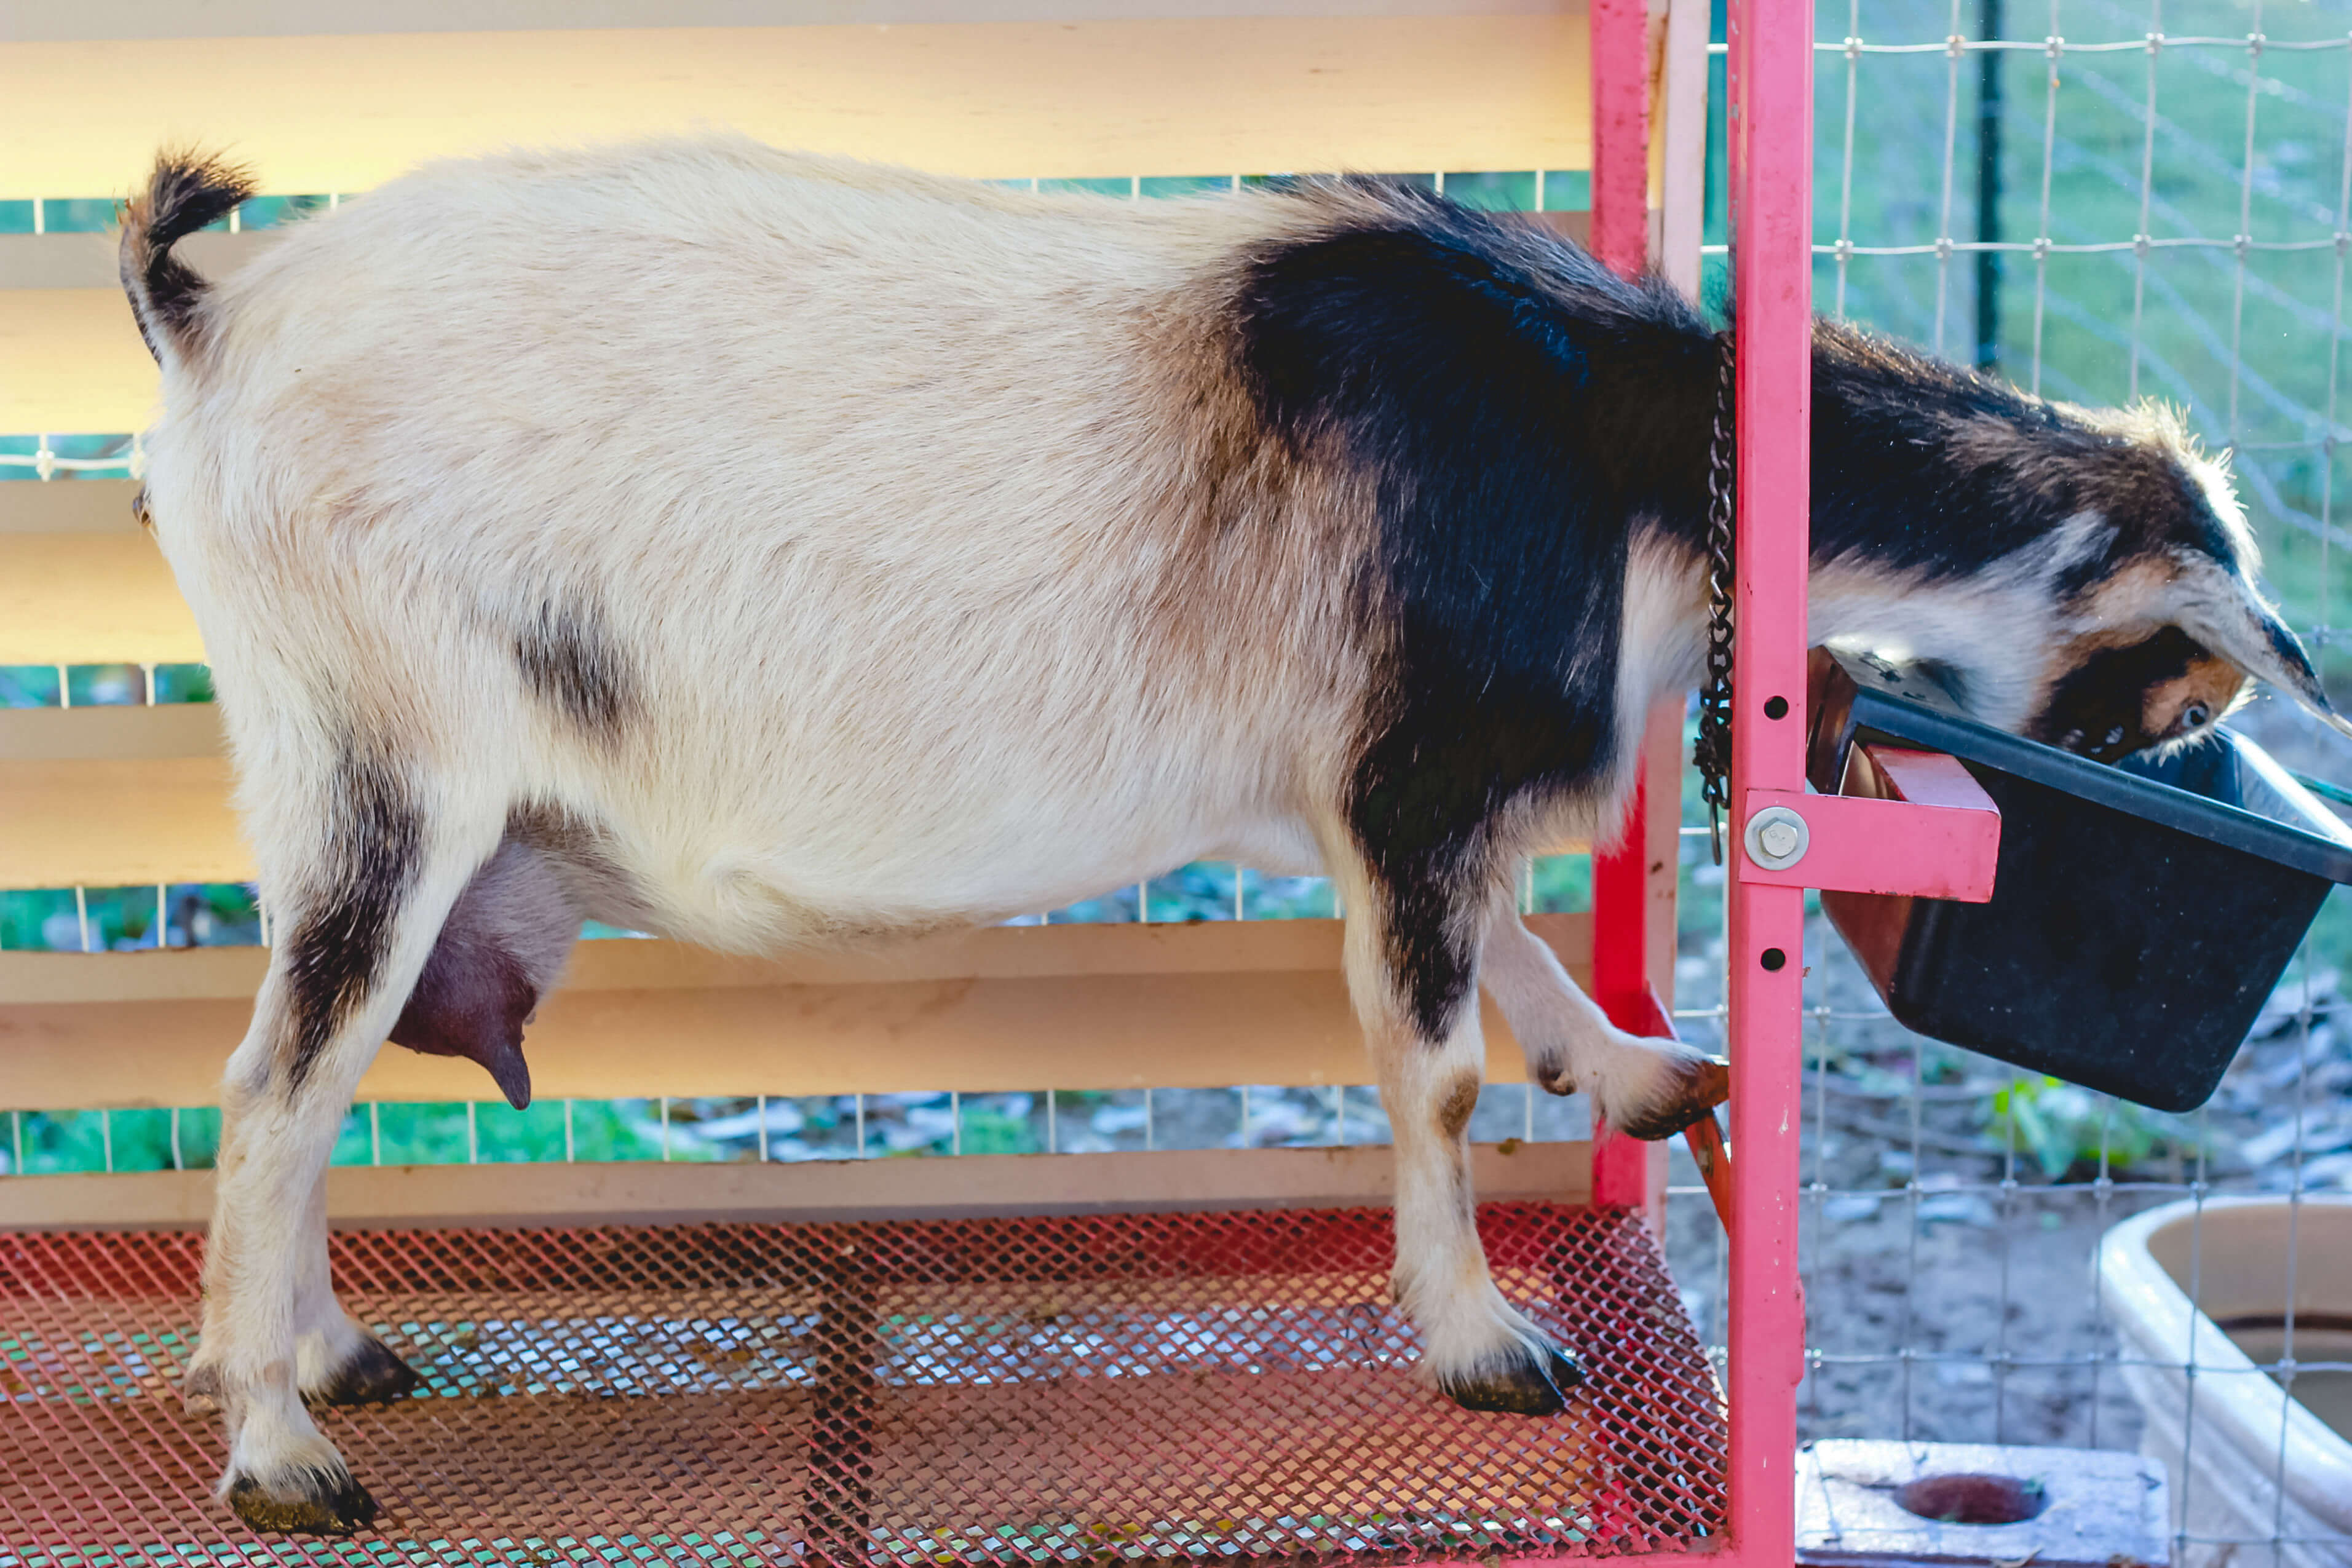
<point>1973,1500</point>
<point>1776,708</point>
<point>1774,959</point>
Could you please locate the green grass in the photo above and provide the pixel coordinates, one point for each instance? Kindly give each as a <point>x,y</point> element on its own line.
<point>57,1142</point>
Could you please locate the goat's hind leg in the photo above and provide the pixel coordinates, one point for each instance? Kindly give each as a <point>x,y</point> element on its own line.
<point>336,1362</point>
<point>497,952</point>
<point>361,902</point>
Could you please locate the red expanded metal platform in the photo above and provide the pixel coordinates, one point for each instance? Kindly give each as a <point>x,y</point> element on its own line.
<point>1030,1391</point>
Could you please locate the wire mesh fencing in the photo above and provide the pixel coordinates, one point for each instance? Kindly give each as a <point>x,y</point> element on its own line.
<point>2102,202</point>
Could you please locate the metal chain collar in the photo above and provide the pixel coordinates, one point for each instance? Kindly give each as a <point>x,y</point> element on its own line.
<point>1712,753</point>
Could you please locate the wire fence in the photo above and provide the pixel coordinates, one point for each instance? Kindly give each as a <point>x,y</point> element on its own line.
<point>2102,202</point>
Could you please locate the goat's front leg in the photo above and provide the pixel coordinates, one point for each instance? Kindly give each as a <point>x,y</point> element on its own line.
<point>1647,1088</point>
<point>361,911</point>
<point>1413,957</point>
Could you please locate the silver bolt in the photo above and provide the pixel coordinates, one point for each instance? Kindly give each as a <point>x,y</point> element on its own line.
<point>1776,838</point>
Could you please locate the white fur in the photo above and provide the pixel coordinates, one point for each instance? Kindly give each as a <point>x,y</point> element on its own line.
<point>1998,629</point>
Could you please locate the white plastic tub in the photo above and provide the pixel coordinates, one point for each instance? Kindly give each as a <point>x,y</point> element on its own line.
<point>2248,1464</point>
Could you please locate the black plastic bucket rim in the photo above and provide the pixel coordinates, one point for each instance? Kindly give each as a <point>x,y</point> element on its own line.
<point>2324,849</point>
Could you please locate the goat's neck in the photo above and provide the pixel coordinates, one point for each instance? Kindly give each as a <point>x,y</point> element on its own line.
<point>1913,554</point>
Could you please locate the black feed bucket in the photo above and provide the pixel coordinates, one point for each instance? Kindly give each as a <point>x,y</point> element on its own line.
<point>2141,914</point>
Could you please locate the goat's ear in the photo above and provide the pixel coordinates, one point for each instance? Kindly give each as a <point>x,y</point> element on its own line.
<point>2252,637</point>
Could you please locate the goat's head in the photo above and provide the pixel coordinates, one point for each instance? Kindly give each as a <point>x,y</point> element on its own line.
<point>2164,689</point>
<point>2083,576</point>
<point>2160,622</point>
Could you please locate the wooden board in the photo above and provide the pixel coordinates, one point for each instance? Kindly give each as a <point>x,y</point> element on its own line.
<point>170,730</point>
<point>89,19</point>
<point>72,360</point>
<point>1084,99</point>
<point>652,1193</point>
<point>1000,1008</point>
<point>119,824</point>
<point>66,505</point>
<point>113,798</point>
<point>90,597</point>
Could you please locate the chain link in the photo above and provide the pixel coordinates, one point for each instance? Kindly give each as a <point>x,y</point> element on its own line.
<point>1712,753</point>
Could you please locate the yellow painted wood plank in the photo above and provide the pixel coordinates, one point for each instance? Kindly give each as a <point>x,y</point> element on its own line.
<point>90,598</point>
<point>114,798</point>
<point>69,505</point>
<point>118,823</point>
<point>1000,1008</point>
<point>279,18</point>
<point>109,734</point>
<point>655,1193</point>
<point>72,361</point>
<point>1002,100</point>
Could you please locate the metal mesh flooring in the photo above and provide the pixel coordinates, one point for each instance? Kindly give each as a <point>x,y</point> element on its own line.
<point>1234,1387</point>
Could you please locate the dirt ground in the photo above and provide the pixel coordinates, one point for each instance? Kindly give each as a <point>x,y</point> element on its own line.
<point>1983,1305</point>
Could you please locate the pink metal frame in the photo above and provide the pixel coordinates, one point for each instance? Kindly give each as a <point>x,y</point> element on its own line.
<point>1937,839</point>
<point>1771,167</point>
<point>1623,1170</point>
<point>1770,122</point>
<point>1939,836</point>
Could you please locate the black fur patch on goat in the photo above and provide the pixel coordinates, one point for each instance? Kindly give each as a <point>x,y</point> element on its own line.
<point>2096,709</point>
<point>1511,404</point>
<point>340,940</point>
<point>1919,464</point>
<point>570,664</point>
<point>1513,407</point>
<point>186,191</point>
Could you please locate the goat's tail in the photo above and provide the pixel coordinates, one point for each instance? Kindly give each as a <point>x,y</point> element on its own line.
<point>187,191</point>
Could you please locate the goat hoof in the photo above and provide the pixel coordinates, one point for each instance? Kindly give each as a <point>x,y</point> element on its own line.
<point>1700,1084</point>
<point>200,1390</point>
<point>370,1374</point>
<point>1526,1380</point>
<point>324,1502</point>
<point>1553,1077</point>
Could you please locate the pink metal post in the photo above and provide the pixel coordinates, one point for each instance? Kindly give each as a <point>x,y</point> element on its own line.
<point>1621,133</point>
<point>1625,1171</point>
<point>1770,122</point>
<point>1931,832</point>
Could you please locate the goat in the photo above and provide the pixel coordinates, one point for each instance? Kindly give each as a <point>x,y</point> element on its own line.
<point>764,551</point>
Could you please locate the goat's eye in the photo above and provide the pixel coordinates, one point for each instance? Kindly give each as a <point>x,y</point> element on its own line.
<point>2195,715</point>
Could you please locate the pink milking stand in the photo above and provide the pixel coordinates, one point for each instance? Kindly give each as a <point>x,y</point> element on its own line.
<point>1939,841</point>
